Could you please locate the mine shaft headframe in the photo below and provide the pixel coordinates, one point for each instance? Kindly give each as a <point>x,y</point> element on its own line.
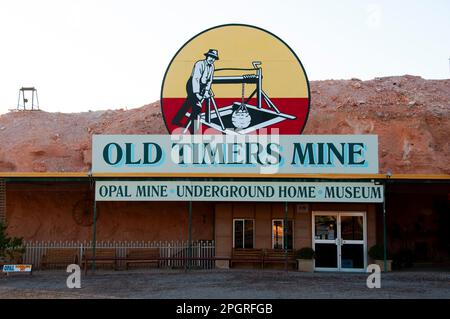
<point>24,100</point>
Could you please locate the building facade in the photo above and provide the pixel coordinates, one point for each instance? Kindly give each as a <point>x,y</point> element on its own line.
<point>59,207</point>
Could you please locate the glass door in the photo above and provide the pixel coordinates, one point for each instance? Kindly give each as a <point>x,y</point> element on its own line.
<point>325,241</point>
<point>352,241</point>
<point>339,240</point>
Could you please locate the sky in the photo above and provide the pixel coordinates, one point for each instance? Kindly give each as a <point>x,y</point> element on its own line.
<point>86,55</point>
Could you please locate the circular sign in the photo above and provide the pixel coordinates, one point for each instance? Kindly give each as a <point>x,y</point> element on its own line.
<point>235,79</point>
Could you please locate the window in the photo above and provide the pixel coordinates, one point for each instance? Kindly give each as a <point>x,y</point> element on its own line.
<point>278,234</point>
<point>243,230</point>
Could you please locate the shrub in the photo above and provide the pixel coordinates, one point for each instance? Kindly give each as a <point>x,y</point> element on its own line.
<point>10,247</point>
<point>305,253</point>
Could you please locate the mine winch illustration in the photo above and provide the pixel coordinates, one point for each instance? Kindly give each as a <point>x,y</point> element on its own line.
<point>241,117</point>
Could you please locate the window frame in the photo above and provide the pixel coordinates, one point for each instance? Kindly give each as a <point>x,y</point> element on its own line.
<point>243,231</point>
<point>282,225</point>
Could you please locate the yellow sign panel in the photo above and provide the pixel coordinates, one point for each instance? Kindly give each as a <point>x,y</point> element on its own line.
<point>236,68</point>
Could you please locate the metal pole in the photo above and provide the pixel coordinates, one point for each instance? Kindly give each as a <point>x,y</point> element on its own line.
<point>94,240</point>
<point>190,235</point>
<point>37,101</point>
<point>285,235</point>
<point>384,230</point>
<point>217,112</point>
<point>24,103</point>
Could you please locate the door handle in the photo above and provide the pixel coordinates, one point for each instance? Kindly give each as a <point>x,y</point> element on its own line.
<point>339,242</point>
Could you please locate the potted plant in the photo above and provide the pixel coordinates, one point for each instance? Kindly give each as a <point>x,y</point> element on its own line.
<point>305,259</point>
<point>376,252</point>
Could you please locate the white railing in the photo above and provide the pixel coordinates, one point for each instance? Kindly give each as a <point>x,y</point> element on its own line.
<point>199,249</point>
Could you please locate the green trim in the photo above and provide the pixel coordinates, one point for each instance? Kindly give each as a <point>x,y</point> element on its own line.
<point>285,233</point>
<point>384,231</point>
<point>190,235</point>
<point>268,179</point>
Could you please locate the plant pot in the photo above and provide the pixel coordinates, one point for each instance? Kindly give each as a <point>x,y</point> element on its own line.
<point>305,265</point>
<point>381,264</point>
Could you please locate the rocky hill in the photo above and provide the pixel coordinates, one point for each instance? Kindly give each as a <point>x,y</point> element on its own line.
<point>410,115</point>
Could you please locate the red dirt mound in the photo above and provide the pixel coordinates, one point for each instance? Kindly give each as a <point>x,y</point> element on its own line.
<point>410,115</point>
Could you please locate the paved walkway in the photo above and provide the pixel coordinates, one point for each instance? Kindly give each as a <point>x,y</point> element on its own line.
<point>225,284</point>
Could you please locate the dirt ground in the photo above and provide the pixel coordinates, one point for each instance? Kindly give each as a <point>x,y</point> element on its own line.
<point>226,284</point>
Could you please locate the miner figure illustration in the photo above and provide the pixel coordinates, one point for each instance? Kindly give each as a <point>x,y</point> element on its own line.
<point>198,89</point>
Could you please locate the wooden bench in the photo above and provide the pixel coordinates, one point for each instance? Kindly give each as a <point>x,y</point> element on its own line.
<point>103,256</point>
<point>59,257</point>
<point>278,256</point>
<point>142,256</point>
<point>247,255</point>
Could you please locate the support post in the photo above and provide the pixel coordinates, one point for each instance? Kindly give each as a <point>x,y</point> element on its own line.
<point>23,99</point>
<point>384,230</point>
<point>94,236</point>
<point>190,235</point>
<point>285,235</point>
<point>37,100</point>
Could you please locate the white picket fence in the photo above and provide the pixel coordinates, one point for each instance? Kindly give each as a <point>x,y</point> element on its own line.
<point>199,249</point>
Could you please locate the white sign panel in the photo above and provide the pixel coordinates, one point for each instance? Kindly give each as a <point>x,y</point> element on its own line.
<point>222,154</point>
<point>17,268</point>
<point>238,191</point>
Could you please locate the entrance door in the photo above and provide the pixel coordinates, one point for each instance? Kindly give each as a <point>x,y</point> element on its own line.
<point>339,240</point>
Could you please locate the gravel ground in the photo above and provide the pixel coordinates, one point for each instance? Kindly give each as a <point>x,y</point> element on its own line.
<point>226,284</point>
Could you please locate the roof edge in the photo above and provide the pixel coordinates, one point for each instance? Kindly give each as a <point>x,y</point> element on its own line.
<point>210,175</point>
